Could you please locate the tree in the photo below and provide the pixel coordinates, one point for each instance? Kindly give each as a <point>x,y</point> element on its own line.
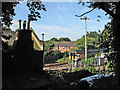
<point>54,39</point>
<point>35,8</point>
<point>48,45</point>
<point>64,39</point>
<point>106,37</point>
<point>8,11</point>
<point>5,28</point>
<point>93,34</point>
<point>113,9</point>
<point>92,39</point>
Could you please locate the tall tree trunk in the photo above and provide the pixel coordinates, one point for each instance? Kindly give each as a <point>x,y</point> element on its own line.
<point>116,33</point>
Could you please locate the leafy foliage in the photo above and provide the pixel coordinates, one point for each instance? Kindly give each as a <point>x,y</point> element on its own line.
<point>66,54</point>
<point>93,34</point>
<point>35,8</point>
<point>110,66</point>
<point>8,12</point>
<point>5,28</point>
<point>106,37</point>
<point>64,60</point>
<point>91,69</point>
<point>48,45</point>
<point>113,9</point>
<point>54,39</point>
<point>64,39</point>
<point>108,7</point>
<point>92,39</point>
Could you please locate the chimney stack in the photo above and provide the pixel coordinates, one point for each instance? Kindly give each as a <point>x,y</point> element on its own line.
<point>24,25</point>
<point>19,24</point>
<point>28,25</point>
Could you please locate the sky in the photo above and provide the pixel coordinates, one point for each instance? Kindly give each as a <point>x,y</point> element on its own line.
<point>60,21</point>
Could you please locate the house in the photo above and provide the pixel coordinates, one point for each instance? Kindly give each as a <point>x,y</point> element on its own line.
<point>63,46</point>
<point>38,45</point>
<point>22,65</point>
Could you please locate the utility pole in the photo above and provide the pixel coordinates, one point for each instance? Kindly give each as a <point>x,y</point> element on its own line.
<point>85,18</point>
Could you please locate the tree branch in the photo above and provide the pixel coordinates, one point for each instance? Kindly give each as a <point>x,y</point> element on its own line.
<point>85,12</point>
<point>108,11</point>
<point>104,7</point>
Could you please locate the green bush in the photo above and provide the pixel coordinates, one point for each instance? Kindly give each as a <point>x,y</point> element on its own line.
<point>76,69</point>
<point>91,69</point>
<point>88,62</point>
<point>61,60</point>
<point>110,67</point>
<point>64,60</point>
<point>65,54</point>
<point>82,62</point>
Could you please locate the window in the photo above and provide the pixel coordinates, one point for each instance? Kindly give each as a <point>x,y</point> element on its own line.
<point>63,47</point>
<point>68,47</point>
<point>59,47</point>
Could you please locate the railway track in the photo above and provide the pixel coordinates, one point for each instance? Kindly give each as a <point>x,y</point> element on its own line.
<point>56,66</point>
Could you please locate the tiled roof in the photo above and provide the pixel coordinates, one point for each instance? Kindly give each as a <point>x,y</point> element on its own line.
<point>90,50</point>
<point>65,43</point>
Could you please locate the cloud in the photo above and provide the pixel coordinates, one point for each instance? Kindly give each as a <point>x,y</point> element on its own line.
<point>48,28</point>
<point>57,31</point>
<point>60,7</point>
<point>14,26</point>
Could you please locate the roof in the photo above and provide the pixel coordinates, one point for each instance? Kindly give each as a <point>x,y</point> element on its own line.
<point>65,43</point>
<point>90,50</point>
<point>37,41</point>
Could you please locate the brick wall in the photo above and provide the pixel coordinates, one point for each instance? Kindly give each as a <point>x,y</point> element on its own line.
<point>62,49</point>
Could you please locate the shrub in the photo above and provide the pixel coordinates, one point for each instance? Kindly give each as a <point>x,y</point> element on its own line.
<point>65,54</point>
<point>110,67</point>
<point>91,69</point>
<point>64,60</point>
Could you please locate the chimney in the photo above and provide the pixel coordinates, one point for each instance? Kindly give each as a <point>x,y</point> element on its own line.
<point>28,25</point>
<point>19,24</point>
<point>24,25</point>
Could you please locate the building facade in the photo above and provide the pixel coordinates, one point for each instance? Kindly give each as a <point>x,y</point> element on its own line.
<point>100,60</point>
<point>63,46</point>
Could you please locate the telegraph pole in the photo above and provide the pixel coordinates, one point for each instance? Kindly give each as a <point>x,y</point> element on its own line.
<point>85,18</point>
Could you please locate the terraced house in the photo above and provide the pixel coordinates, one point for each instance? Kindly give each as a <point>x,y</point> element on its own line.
<point>63,46</point>
<point>38,45</point>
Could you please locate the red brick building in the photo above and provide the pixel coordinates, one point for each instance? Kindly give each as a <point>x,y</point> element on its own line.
<point>63,46</point>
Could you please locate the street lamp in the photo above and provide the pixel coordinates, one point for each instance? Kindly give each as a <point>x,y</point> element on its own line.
<point>85,18</point>
<point>43,46</point>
